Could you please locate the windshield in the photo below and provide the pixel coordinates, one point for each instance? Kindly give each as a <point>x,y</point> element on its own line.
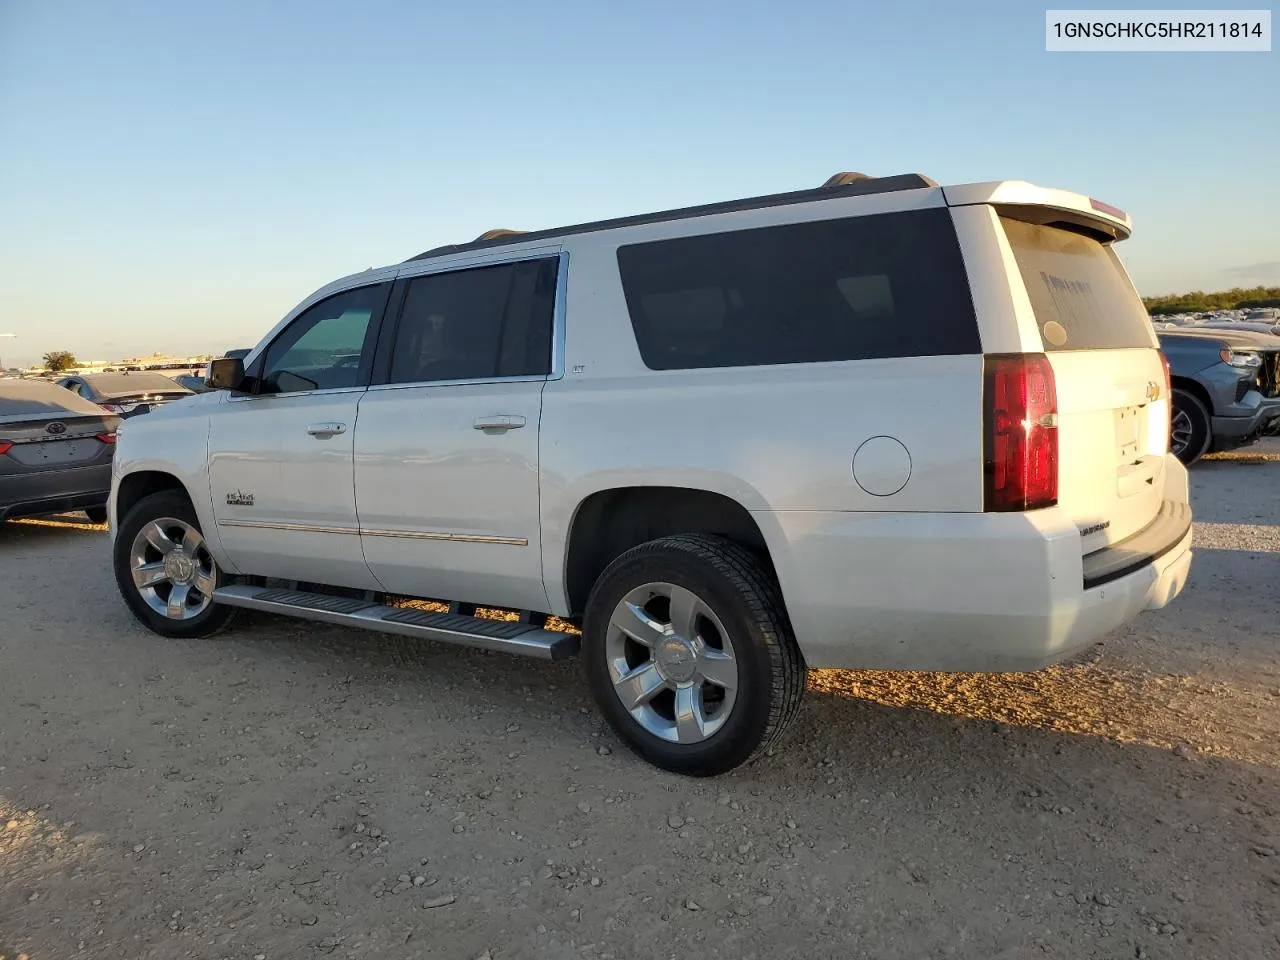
<point>1078,289</point>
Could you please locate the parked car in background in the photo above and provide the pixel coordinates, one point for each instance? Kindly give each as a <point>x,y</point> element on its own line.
<point>195,382</point>
<point>1241,326</point>
<point>1226,388</point>
<point>55,451</point>
<point>128,394</point>
<point>698,434</point>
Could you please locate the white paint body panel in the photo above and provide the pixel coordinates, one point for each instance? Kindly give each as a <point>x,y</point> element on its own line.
<point>261,446</point>
<point>880,574</point>
<point>422,468</point>
<point>965,592</point>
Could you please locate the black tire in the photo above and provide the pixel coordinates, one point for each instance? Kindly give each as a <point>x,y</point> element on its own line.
<point>171,504</point>
<point>96,514</point>
<point>1198,424</point>
<point>744,596</point>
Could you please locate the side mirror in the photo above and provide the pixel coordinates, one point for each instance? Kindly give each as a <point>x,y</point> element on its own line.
<point>225,373</point>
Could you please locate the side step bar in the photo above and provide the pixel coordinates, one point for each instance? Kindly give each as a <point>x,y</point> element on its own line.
<point>503,635</point>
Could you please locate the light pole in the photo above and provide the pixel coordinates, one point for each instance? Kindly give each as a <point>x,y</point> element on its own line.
<point>2,336</point>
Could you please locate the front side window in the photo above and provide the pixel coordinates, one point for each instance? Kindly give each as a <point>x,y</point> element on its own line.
<point>328,346</point>
<point>886,285</point>
<point>477,324</point>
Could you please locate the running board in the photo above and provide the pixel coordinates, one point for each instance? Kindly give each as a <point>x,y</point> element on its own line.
<point>502,635</point>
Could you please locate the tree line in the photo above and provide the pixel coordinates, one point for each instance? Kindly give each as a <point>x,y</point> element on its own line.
<point>1197,301</point>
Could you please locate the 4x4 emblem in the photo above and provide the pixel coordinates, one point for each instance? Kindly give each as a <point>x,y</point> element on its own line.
<point>240,499</point>
<point>1153,390</point>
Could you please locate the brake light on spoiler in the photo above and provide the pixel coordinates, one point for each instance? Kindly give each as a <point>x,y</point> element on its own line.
<point>1020,433</point>
<point>1108,209</point>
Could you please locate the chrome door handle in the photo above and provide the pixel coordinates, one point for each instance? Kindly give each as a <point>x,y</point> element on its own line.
<point>500,424</point>
<point>326,430</point>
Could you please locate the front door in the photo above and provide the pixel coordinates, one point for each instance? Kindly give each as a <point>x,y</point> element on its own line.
<point>281,453</point>
<point>446,452</point>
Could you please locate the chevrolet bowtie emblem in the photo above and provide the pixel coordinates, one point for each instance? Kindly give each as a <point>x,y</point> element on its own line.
<point>1153,390</point>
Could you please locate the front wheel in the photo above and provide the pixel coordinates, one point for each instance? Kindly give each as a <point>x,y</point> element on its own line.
<point>1190,427</point>
<point>165,571</point>
<point>690,655</point>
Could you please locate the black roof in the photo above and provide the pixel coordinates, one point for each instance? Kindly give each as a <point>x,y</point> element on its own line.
<point>839,185</point>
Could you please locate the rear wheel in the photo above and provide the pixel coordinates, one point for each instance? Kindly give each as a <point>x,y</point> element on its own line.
<point>690,655</point>
<point>1190,429</point>
<point>164,569</point>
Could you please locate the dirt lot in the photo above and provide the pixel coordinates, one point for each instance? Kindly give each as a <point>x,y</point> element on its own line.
<point>288,790</point>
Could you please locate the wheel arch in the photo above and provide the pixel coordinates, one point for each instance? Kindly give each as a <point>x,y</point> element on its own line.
<point>149,478</point>
<point>1187,385</point>
<point>608,522</point>
<point>134,487</point>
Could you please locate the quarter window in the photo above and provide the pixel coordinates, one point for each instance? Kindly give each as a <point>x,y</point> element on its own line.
<point>889,285</point>
<point>477,324</point>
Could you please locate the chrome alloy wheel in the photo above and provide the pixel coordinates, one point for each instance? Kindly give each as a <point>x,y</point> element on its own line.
<point>172,569</point>
<point>1180,432</point>
<point>672,663</point>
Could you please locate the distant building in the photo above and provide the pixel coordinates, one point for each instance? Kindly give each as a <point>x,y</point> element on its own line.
<point>158,362</point>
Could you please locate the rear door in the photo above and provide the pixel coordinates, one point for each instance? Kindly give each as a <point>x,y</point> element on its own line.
<point>1113,414</point>
<point>446,447</point>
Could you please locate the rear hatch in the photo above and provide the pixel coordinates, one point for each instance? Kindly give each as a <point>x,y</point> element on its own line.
<point>1113,412</point>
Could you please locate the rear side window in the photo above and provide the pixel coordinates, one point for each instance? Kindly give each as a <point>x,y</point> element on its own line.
<point>1078,290</point>
<point>889,285</point>
<point>477,324</point>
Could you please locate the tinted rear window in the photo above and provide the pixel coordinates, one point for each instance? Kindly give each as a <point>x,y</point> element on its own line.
<point>1081,297</point>
<point>890,285</point>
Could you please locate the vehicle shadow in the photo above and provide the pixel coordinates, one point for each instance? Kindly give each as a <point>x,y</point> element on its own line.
<point>35,529</point>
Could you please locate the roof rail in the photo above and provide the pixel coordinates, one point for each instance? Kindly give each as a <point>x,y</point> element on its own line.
<point>845,184</point>
<point>848,176</point>
<point>497,232</point>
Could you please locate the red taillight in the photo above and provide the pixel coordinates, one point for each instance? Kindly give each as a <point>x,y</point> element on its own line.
<point>1168,396</point>
<point>5,447</point>
<point>1020,410</point>
<point>112,407</point>
<point>107,437</point>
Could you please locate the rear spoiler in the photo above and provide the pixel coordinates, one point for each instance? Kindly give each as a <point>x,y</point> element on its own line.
<point>1074,207</point>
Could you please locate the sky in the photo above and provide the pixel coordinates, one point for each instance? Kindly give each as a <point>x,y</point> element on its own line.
<point>176,176</point>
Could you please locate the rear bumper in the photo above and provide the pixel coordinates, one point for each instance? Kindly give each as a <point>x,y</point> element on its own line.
<point>969,592</point>
<point>54,491</point>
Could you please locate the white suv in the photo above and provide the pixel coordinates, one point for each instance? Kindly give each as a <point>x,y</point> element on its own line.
<point>880,423</point>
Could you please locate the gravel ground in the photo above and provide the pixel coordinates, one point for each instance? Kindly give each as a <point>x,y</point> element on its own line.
<point>290,790</point>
